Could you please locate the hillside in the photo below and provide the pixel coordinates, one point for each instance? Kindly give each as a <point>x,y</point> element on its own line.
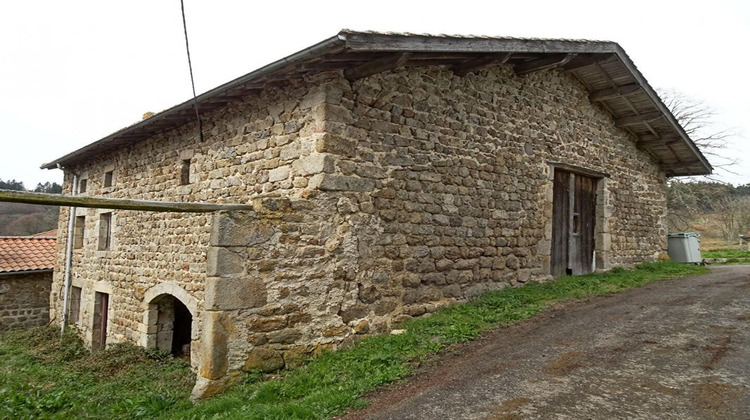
<point>18,219</point>
<point>718,212</point>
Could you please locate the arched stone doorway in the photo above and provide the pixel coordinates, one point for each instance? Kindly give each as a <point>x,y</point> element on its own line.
<point>174,325</point>
<point>171,321</point>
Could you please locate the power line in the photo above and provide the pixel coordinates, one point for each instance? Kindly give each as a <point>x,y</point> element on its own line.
<point>190,66</point>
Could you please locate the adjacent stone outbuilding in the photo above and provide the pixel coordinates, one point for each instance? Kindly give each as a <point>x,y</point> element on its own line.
<point>26,264</point>
<point>388,175</point>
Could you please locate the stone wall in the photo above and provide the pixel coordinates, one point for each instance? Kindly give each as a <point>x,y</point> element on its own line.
<point>374,201</point>
<point>24,300</point>
<point>277,279</point>
<point>457,174</point>
<point>248,147</point>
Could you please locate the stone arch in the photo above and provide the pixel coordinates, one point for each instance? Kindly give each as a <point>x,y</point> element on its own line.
<point>174,289</point>
<point>170,317</point>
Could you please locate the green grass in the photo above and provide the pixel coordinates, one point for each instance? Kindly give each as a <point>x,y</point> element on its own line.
<point>726,253</point>
<point>325,387</point>
<point>44,375</point>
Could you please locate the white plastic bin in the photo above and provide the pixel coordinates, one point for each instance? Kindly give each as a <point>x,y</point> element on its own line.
<point>684,247</point>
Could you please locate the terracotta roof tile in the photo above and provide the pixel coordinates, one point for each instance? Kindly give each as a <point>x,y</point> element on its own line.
<point>26,253</point>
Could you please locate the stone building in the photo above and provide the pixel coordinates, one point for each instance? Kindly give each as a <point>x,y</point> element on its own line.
<point>26,264</point>
<point>389,174</point>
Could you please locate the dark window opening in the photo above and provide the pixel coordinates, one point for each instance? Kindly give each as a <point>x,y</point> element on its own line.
<point>74,305</point>
<point>108,178</point>
<point>78,231</point>
<point>185,172</point>
<point>105,231</point>
<point>82,184</point>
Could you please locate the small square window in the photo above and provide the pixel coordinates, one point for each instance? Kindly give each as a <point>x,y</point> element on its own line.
<point>108,178</point>
<point>82,184</point>
<point>185,172</point>
<point>78,230</point>
<point>74,305</point>
<point>105,231</point>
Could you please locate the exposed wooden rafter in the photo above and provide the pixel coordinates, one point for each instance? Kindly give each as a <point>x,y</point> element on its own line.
<point>582,61</point>
<point>650,140</point>
<point>638,119</point>
<point>475,64</point>
<point>225,99</point>
<point>377,66</point>
<point>681,168</point>
<point>615,92</point>
<point>544,63</point>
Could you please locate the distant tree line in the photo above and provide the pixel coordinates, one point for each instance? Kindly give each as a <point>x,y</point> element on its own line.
<point>722,207</point>
<point>17,219</point>
<point>13,185</point>
<point>704,196</point>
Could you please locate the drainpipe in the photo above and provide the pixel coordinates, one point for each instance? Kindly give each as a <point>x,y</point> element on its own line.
<point>68,251</point>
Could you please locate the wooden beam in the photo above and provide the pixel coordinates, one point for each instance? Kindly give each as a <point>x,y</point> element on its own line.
<point>544,63</point>
<point>615,92</point>
<point>225,99</point>
<point>115,203</point>
<point>376,66</point>
<point>475,64</point>
<point>426,43</point>
<point>582,61</point>
<point>681,168</point>
<point>650,140</point>
<point>638,119</point>
<point>322,66</point>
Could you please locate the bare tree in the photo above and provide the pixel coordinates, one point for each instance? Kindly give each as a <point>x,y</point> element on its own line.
<point>699,121</point>
<point>733,217</point>
<point>691,201</point>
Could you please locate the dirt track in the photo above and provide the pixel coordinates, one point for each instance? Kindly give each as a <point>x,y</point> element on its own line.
<point>677,349</point>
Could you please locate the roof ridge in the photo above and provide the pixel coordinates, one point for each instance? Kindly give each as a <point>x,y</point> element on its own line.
<point>469,36</point>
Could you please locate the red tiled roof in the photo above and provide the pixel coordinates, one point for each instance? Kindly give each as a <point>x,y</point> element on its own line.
<point>48,234</point>
<point>26,253</point>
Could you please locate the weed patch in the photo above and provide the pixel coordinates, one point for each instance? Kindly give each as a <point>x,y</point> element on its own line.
<point>48,376</point>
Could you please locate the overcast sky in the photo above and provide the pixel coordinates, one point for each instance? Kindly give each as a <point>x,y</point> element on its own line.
<point>72,72</point>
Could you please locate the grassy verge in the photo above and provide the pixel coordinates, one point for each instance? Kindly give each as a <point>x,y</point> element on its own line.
<point>334,381</point>
<point>43,375</point>
<point>726,253</point>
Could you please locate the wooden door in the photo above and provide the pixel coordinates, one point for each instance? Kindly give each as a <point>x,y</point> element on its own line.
<point>573,223</point>
<point>101,310</point>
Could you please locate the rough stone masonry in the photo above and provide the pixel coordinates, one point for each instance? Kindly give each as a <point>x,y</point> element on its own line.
<point>24,300</point>
<point>375,201</point>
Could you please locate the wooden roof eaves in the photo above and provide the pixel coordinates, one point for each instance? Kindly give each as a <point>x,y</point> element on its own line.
<point>669,117</point>
<point>26,272</point>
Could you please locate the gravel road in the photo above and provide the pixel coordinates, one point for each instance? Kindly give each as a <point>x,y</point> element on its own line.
<point>675,349</point>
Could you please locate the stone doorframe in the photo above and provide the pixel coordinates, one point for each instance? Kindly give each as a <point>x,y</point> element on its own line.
<point>602,238</point>
<point>151,315</point>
